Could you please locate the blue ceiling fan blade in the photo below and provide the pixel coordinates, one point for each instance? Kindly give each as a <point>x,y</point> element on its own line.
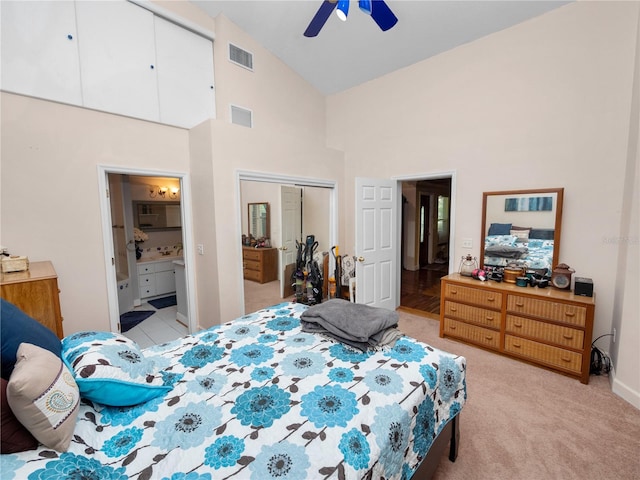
<point>320,18</point>
<point>365,6</point>
<point>383,15</point>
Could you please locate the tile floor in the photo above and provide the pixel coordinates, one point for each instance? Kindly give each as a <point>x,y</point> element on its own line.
<point>161,327</point>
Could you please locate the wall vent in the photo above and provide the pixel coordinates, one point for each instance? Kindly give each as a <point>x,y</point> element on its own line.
<point>241,116</point>
<point>240,57</point>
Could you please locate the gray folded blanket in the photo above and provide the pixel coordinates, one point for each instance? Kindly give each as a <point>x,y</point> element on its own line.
<point>357,325</point>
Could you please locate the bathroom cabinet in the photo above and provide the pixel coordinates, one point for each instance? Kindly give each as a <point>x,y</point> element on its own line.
<point>156,278</point>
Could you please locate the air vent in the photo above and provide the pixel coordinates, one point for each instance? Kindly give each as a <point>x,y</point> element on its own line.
<point>241,57</point>
<point>241,116</point>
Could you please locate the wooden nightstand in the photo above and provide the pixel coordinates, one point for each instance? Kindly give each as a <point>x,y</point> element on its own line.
<point>36,293</point>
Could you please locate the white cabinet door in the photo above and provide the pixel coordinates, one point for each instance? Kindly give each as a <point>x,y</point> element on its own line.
<point>117,58</point>
<point>185,75</point>
<point>165,282</point>
<point>40,50</point>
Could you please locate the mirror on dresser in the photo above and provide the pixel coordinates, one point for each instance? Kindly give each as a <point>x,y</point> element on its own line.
<point>259,220</point>
<point>521,227</point>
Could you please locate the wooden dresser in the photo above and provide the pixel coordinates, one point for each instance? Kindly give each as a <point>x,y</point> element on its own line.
<point>545,326</point>
<point>36,293</point>
<point>260,264</point>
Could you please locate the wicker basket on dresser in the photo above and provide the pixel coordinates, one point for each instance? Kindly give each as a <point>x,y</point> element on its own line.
<point>544,326</point>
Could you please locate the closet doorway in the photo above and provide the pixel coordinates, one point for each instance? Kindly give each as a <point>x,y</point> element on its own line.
<point>316,195</point>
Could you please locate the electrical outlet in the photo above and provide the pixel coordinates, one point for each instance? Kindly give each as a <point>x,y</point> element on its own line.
<point>467,243</point>
<point>614,335</point>
<point>200,249</point>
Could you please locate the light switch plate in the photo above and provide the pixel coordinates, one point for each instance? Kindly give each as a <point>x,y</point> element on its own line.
<point>467,243</point>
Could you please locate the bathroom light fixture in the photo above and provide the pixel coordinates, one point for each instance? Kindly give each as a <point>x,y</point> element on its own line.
<point>343,9</point>
<point>163,191</point>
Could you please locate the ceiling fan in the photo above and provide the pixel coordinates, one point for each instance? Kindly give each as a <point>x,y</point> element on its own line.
<point>377,9</point>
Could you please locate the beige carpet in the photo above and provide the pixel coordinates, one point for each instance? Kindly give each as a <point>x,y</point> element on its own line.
<point>261,295</point>
<point>523,422</point>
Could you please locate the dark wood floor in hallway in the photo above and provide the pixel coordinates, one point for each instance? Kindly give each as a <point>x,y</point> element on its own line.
<point>421,288</point>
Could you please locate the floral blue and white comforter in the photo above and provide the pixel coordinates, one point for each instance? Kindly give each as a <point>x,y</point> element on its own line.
<point>258,399</point>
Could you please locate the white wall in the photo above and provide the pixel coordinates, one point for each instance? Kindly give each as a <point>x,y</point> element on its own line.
<point>49,198</point>
<point>543,104</point>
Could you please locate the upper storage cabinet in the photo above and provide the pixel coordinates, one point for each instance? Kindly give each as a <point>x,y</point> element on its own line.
<point>185,86</point>
<point>40,50</point>
<point>118,58</point>
<point>111,56</point>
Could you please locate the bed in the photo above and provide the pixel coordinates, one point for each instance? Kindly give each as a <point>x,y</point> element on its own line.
<point>258,398</point>
<point>529,248</point>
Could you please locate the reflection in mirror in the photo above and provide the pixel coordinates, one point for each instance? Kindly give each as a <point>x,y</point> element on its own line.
<point>259,221</point>
<point>521,227</point>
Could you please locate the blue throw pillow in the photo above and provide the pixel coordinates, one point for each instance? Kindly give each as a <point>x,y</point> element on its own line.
<point>17,327</point>
<point>111,369</point>
<point>499,229</point>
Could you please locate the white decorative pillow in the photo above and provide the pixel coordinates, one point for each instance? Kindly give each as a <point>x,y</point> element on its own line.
<point>111,369</point>
<point>521,235</point>
<point>43,396</point>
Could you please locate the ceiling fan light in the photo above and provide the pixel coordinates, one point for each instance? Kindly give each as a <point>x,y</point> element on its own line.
<point>365,6</point>
<point>343,9</point>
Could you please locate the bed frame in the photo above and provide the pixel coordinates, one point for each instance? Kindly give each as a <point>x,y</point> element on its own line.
<point>450,435</point>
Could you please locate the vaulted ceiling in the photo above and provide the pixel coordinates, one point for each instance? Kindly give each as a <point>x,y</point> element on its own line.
<point>346,54</point>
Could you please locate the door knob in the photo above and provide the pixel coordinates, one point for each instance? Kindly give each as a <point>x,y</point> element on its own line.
<point>361,259</point>
<point>283,248</point>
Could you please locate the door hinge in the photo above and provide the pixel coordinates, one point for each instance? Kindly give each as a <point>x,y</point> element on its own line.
<point>113,261</point>
<point>108,193</point>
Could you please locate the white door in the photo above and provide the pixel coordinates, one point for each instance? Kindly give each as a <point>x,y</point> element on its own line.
<point>291,225</point>
<point>376,241</point>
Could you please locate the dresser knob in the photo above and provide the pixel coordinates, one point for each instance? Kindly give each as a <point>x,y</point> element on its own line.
<point>488,337</point>
<point>570,314</point>
<point>517,345</point>
<point>453,309</point>
<point>453,291</point>
<point>567,360</point>
<point>452,327</point>
<point>491,299</point>
<point>489,318</point>
<point>517,325</point>
<point>567,336</point>
<point>519,304</point>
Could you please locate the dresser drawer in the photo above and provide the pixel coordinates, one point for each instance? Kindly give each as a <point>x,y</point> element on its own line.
<point>561,312</point>
<point>253,275</point>
<point>562,336</point>
<point>480,316</point>
<point>476,296</point>
<point>249,254</point>
<point>544,354</point>
<point>252,265</point>
<point>479,335</point>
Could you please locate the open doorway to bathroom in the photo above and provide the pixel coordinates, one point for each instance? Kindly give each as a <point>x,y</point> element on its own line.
<point>426,227</point>
<point>148,279</point>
